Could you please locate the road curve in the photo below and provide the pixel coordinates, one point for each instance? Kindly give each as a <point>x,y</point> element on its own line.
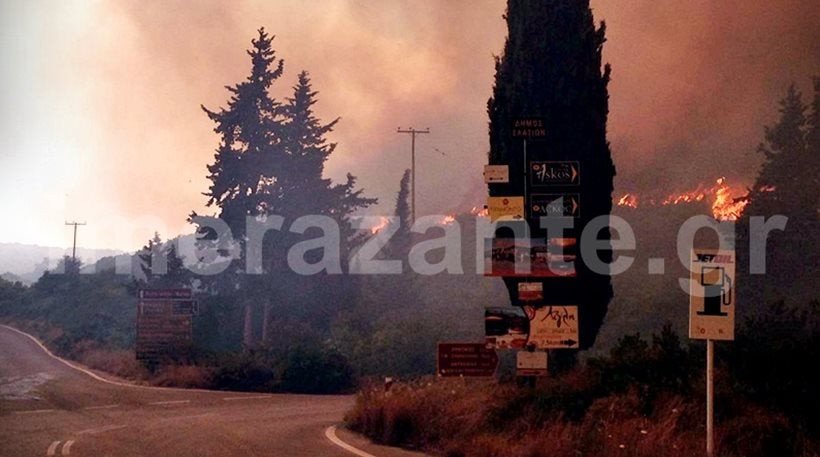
<point>49,408</point>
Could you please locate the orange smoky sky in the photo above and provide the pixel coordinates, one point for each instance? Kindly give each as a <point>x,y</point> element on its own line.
<point>101,116</point>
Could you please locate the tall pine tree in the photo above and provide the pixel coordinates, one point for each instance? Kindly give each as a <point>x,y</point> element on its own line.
<point>551,69</point>
<point>787,184</point>
<point>250,129</point>
<point>270,161</point>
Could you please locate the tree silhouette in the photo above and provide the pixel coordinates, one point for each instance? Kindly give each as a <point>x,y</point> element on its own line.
<point>786,185</point>
<point>270,161</point>
<point>551,69</point>
<point>304,189</point>
<point>400,243</point>
<point>250,129</point>
<point>162,266</point>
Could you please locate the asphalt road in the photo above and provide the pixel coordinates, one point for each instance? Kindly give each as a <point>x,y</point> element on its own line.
<point>49,408</point>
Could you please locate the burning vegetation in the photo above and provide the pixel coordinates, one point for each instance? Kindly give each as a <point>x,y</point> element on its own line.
<point>725,200</point>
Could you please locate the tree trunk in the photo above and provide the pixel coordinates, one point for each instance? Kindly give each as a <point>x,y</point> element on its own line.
<point>247,331</point>
<point>266,323</point>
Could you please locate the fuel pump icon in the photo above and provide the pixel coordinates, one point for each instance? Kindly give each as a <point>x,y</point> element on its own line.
<point>717,291</point>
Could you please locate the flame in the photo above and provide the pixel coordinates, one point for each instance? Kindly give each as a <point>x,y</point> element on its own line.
<point>628,200</point>
<point>383,222</point>
<point>480,211</point>
<point>726,202</point>
<point>448,219</point>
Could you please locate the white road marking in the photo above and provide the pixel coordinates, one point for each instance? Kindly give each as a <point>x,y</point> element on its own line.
<point>258,397</point>
<point>94,408</point>
<point>35,411</point>
<point>176,418</point>
<point>330,433</point>
<point>95,431</point>
<point>100,378</point>
<point>171,402</point>
<point>66,362</point>
<point>67,447</point>
<point>53,448</point>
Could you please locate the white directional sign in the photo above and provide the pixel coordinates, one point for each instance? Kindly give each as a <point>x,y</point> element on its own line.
<point>496,174</point>
<point>531,363</point>
<point>553,327</point>
<point>712,295</point>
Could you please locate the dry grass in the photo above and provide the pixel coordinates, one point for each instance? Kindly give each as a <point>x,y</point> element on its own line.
<point>120,363</point>
<point>460,418</point>
<point>185,376</point>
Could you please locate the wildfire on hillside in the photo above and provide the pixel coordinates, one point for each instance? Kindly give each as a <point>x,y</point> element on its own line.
<point>727,202</point>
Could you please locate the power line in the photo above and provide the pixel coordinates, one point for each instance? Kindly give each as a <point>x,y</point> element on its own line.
<point>74,246</point>
<point>413,132</point>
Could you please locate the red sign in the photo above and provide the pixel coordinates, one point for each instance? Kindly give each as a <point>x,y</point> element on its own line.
<point>166,294</point>
<point>530,291</point>
<point>466,359</point>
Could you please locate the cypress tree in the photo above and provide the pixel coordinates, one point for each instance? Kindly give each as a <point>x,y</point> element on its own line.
<point>551,68</point>
<point>400,243</point>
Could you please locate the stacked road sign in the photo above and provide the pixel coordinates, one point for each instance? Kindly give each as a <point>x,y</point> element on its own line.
<point>538,270</point>
<point>164,323</point>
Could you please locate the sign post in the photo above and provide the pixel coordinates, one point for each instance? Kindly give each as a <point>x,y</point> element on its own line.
<point>710,397</point>
<point>465,359</point>
<point>711,315</point>
<point>164,323</point>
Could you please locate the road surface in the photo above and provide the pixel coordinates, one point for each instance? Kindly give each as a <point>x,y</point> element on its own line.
<point>48,408</point>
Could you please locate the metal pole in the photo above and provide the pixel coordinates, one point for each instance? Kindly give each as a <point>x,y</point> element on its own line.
<point>710,398</point>
<point>526,177</point>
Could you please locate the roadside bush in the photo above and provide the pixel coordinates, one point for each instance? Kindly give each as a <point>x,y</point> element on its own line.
<point>244,372</point>
<point>662,367</point>
<point>311,369</point>
<point>769,361</point>
<point>184,376</point>
<point>119,362</point>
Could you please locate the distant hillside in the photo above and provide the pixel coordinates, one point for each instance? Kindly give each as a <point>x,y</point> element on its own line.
<point>28,261</point>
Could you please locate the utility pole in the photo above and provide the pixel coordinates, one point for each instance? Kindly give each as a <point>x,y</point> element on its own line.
<point>413,132</point>
<point>74,246</point>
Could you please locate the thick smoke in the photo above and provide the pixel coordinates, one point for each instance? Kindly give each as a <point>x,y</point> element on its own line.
<point>693,83</point>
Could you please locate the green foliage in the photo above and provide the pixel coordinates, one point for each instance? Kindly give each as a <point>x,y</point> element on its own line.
<point>94,307</point>
<point>11,297</point>
<point>313,369</point>
<point>162,266</point>
<point>301,368</point>
<point>786,185</point>
<point>247,371</point>
<point>771,357</point>
<point>662,367</point>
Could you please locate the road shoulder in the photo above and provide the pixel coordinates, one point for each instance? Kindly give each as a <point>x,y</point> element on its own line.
<point>368,448</point>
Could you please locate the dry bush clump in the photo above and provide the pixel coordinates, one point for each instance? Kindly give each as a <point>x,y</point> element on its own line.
<point>122,363</point>
<point>186,376</point>
<point>464,418</point>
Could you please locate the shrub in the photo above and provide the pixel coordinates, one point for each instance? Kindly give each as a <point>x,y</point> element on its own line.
<point>185,376</point>
<point>244,372</point>
<point>315,370</point>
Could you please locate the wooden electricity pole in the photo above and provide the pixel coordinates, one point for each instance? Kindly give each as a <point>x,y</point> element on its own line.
<point>74,246</point>
<point>413,132</point>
